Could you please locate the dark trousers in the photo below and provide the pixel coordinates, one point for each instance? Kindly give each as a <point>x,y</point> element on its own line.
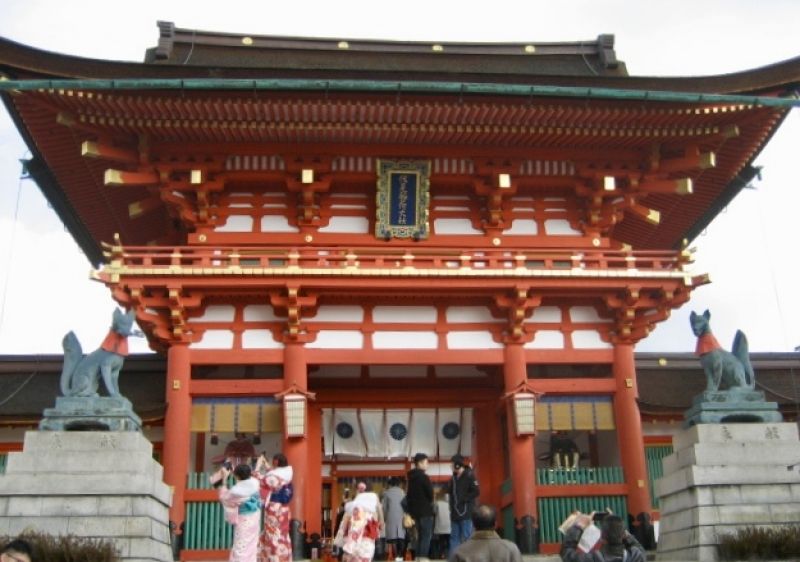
<point>425,533</point>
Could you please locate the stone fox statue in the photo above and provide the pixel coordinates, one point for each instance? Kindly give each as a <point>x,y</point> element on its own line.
<point>723,368</point>
<point>81,373</point>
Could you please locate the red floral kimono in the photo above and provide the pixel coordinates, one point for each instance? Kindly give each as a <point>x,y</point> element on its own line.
<point>275,544</point>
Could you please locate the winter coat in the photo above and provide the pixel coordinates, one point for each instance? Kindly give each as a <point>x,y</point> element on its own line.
<point>486,545</point>
<point>393,513</point>
<point>464,492</point>
<point>419,496</point>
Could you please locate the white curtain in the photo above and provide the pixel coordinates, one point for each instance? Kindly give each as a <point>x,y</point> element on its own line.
<point>372,427</point>
<point>327,431</point>
<point>398,432</point>
<point>347,438</point>
<point>466,432</point>
<point>449,431</point>
<point>423,431</point>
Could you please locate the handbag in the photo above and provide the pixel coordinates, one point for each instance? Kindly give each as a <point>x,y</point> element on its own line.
<point>408,521</point>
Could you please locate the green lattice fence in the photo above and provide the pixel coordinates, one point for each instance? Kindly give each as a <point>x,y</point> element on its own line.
<point>655,470</point>
<point>553,511</point>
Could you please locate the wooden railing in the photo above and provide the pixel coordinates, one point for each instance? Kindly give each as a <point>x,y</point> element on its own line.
<point>580,476</point>
<point>154,260</point>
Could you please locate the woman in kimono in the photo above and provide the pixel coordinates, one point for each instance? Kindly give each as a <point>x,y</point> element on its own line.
<point>276,490</point>
<point>242,506</point>
<point>361,526</point>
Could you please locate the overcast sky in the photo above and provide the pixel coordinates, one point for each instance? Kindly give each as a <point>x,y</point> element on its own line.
<point>750,250</point>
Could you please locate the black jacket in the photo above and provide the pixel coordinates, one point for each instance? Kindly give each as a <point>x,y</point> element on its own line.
<point>464,492</point>
<point>419,495</point>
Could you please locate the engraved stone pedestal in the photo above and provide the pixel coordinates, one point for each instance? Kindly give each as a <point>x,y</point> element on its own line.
<point>95,484</point>
<point>723,477</point>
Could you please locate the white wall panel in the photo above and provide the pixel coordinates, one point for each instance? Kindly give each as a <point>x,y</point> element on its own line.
<point>585,314</point>
<point>336,313</point>
<point>407,314</point>
<point>527,227</point>
<point>338,339</point>
<point>469,314</point>
<point>260,313</point>
<point>454,226</point>
<point>236,223</point>
<point>351,225</point>
<point>276,223</point>
<point>546,314</point>
<point>217,313</point>
<point>215,339</point>
<point>472,340</point>
<point>546,339</point>
<point>560,227</point>
<point>589,339</point>
<point>405,340</point>
<point>259,339</point>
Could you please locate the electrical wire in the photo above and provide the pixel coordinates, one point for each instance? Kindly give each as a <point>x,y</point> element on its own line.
<point>7,279</point>
<point>20,387</point>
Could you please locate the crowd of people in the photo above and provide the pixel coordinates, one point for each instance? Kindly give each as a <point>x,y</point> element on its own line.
<point>423,521</point>
<point>449,523</point>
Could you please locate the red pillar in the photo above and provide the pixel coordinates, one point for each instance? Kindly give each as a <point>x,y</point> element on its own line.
<point>177,426</point>
<point>523,467</point>
<point>629,429</point>
<point>314,473</point>
<point>295,374</point>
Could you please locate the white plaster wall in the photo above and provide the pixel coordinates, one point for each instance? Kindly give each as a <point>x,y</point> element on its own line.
<point>585,314</point>
<point>404,314</point>
<point>546,314</point>
<point>588,339</point>
<point>259,339</point>
<point>215,339</point>
<point>404,340</point>
<point>522,227</point>
<point>337,313</point>
<point>350,225</point>
<point>472,340</point>
<point>546,339</point>
<point>236,223</point>
<point>276,223</point>
<point>470,314</point>
<point>455,226</point>
<point>217,313</point>
<point>338,339</point>
<point>560,227</point>
<point>260,313</point>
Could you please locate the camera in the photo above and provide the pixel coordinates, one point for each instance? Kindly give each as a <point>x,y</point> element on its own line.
<point>227,465</point>
<point>599,516</point>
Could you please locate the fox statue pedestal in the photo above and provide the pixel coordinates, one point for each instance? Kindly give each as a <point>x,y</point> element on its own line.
<point>99,413</point>
<point>98,484</point>
<point>723,477</point>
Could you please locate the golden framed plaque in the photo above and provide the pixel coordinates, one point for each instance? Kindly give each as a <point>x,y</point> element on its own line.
<point>402,199</point>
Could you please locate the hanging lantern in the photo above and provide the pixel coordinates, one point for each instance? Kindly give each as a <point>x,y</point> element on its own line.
<point>214,439</point>
<point>524,413</point>
<point>294,415</point>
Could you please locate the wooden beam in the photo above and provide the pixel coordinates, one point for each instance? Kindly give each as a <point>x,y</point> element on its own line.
<point>235,387</point>
<point>92,149</point>
<point>114,177</point>
<point>143,206</point>
<point>574,385</point>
